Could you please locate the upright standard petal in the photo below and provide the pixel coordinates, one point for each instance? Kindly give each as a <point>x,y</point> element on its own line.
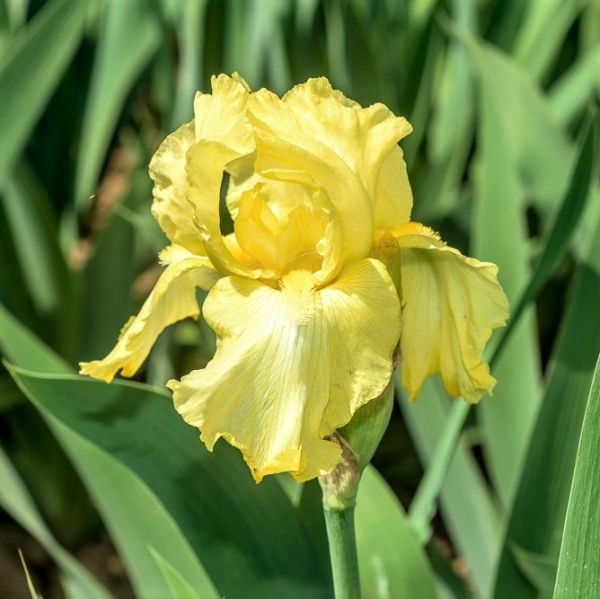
<point>365,138</point>
<point>173,298</point>
<point>284,151</point>
<point>224,137</point>
<point>171,207</point>
<point>450,306</point>
<point>393,195</point>
<point>292,365</point>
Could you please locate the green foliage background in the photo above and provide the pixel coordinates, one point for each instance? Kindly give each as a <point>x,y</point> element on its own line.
<point>502,162</point>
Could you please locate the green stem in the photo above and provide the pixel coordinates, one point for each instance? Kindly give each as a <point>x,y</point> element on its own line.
<point>340,488</point>
<point>342,552</point>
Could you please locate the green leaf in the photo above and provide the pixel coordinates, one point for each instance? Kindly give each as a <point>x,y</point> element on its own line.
<point>108,277</point>
<point>114,488</point>
<point>33,226</point>
<point>15,499</point>
<point>466,504</point>
<point>578,566</point>
<point>23,347</point>
<point>128,38</point>
<point>190,26</point>
<point>536,148</point>
<point>31,69</point>
<point>500,236</point>
<point>422,105</point>
<point>47,278</point>
<point>128,505</point>
<point>179,586</point>
<point>540,504</point>
<point>391,561</point>
<point>542,33</point>
<point>337,54</point>
<point>557,242</point>
<point>453,99</point>
<point>14,13</point>
<point>569,95</point>
<point>565,223</point>
<point>540,570</point>
<point>424,501</point>
<point>132,432</point>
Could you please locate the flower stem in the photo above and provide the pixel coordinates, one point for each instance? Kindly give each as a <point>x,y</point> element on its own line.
<point>339,498</point>
<point>342,552</point>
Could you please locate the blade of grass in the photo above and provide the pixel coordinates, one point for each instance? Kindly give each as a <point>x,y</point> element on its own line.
<point>16,12</point>
<point>30,587</point>
<point>33,225</point>
<point>336,46</point>
<point>453,99</point>
<point>537,148</point>
<point>540,570</point>
<point>422,105</point>
<point>589,26</point>
<point>108,277</point>
<point>49,282</point>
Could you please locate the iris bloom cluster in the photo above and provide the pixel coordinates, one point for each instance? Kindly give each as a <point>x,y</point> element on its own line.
<point>322,282</point>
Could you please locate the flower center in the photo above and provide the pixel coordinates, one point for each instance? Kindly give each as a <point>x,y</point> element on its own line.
<point>281,226</point>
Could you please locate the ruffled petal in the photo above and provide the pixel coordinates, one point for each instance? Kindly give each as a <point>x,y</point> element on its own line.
<point>292,365</point>
<point>286,151</point>
<point>224,137</point>
<point>171,208</point>
<point>362,137</point>
<point>393,195</point>
<point>450,306</point>
<point>173,298</point>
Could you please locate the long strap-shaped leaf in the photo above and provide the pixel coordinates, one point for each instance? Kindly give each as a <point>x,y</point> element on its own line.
<point>39,55</point>
<point>439,460</point>
<point>579,563</point>
<point>16,500</point>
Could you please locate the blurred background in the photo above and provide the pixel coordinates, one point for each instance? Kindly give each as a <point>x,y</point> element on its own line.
<point>498,93</point>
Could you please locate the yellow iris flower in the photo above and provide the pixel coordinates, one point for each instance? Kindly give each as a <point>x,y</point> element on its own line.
<point>321,280</point>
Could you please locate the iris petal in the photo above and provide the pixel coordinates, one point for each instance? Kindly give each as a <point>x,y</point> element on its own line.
<point>171,207</point>
<point>362,137</point>
<point>450,306</point>
<point>173,298</point>
<point>292,365</point>
<point>393,195</point>
<point>223,136</point>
